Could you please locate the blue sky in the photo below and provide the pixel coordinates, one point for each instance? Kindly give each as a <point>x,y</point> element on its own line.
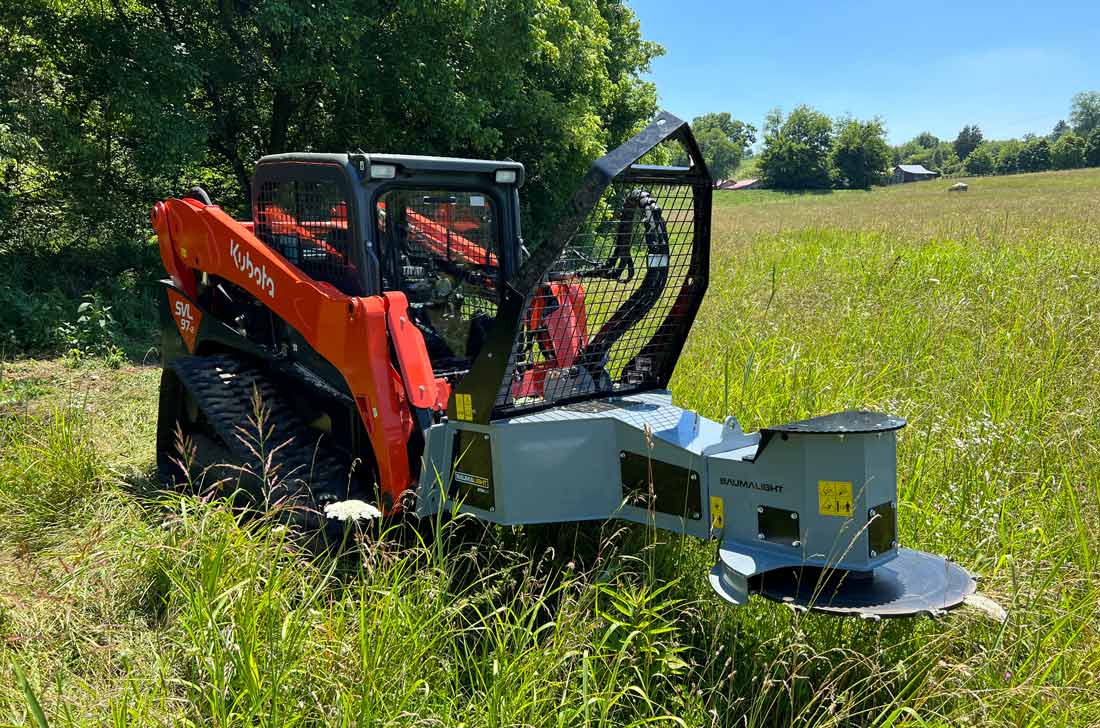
<point>1010,67</point>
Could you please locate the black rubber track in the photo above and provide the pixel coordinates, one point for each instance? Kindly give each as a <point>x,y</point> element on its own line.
<point>302,474</point>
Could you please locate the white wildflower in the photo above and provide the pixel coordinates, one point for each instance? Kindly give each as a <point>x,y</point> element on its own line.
<point>352,510</point>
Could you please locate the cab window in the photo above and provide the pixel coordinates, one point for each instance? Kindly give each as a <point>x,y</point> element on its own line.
<point>442,249</point>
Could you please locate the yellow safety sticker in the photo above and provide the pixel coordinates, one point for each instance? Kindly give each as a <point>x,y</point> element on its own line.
<point>717,512</point>
<point>464,407</point>
<point>834,497</point>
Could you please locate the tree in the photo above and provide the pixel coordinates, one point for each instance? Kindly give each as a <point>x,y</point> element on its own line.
<point>980,161</point>
<point>151,94</point>
<point>860,153</point>
<point>796,151</point>
<point>926,140</point>
<point>1092,148</point>
<point>923,141</point>
<point>723,141</point>
<point>1008,158</point>
<point>967,141</point>
<point>1059,131</point>
<point>1035,156</point>
<point>940,158</point>
<point>1068,152</point>
<point>1085,112</point>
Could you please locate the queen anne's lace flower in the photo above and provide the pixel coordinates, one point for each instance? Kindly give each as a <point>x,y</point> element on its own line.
<point>352,510</point>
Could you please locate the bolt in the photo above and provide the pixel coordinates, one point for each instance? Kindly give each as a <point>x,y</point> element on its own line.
<point>893,544</point>
<point>760,536</point>
<point>695,515</point>
<point>485,436</point>
<point>872,513</point>
<point>796,543</point>
<point>794,516</point>
<point>874,553</point>
<point>760,509</point>
<point>492,509</point>
<point>694,476</point>
<point>622,456</point>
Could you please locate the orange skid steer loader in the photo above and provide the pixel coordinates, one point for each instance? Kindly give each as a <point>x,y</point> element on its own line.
<point>409,353</point>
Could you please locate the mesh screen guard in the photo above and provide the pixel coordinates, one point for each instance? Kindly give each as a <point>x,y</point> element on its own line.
<point>305,219</point>
<point>608,301</point>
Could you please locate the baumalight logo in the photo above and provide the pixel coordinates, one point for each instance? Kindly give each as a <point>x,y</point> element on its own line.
<point>257,273</point>
<point>752,485</point>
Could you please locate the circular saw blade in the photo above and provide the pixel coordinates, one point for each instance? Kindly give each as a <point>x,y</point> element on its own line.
<point>911,584</point>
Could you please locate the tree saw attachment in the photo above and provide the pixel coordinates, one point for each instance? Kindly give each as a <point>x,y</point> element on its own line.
<point>565,413</point>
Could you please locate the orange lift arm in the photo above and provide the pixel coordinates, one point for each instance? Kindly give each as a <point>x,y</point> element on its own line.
<point>351,332</point>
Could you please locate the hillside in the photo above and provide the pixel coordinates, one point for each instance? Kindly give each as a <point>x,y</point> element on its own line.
<point>972,315</point>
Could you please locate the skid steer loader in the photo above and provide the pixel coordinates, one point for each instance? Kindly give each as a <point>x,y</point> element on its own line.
<point>410,353</point>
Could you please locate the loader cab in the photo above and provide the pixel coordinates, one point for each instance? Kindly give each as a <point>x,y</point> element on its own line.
<point>443,231</point>
<point>446,233</point>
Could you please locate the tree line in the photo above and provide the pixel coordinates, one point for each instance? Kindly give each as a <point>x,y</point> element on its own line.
<point>107,107</point>
<point>806,149</point>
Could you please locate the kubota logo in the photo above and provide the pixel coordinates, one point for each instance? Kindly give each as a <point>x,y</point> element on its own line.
<point>185,318</point>
<point>258,273</point>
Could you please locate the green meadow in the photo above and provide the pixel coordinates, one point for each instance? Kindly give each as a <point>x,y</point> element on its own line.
<point>975,316</point>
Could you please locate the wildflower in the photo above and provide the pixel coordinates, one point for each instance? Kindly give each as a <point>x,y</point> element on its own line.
<point>352,510</point>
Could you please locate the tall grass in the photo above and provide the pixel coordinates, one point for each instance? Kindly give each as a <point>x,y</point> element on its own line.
<point>973,316</point>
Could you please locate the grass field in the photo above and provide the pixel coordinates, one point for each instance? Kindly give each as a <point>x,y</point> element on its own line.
<point>975,316</point>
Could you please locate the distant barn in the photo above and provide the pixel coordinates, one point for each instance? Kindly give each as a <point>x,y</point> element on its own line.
<point>912,173</point>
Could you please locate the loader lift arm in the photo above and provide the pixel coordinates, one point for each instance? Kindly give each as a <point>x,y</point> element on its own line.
<point>351,332</point>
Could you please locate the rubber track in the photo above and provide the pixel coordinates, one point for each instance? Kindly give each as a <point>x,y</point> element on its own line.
<point>305,472</point>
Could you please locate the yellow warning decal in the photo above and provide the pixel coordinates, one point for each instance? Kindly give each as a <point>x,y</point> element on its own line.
<point>717,512</point>
<point>834,497</point>
<point>464,407</point>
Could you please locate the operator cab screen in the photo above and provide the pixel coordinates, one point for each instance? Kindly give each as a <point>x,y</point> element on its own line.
<point>441,249</point>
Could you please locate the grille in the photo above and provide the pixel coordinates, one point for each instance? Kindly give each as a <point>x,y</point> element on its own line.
<point>306,221</point>
<point>610,314</point>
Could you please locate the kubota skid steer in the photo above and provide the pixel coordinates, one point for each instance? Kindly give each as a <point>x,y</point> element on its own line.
<point>410,353</point>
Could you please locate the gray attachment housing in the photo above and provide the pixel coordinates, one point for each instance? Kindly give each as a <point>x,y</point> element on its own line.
<point>818,493</point>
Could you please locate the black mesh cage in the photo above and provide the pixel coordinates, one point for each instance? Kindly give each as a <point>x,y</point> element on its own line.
<point>609,302</point>
<point>306,221</point>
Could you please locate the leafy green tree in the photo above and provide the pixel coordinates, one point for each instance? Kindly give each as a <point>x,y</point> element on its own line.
<point>860,153</point>
<point>796,151</point>
<point>1035,156</point>
<point>927,140</point>
<point>1092,148</point>
<point>1060,130</point>
<point>1085,112</point>
<point>1068,152</point>
<point>147,95</point>
<point>980,161</point>
<point>914,147</point>
<point>1008,158</point>
<point>967,141</point>
<point>723,141</point>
